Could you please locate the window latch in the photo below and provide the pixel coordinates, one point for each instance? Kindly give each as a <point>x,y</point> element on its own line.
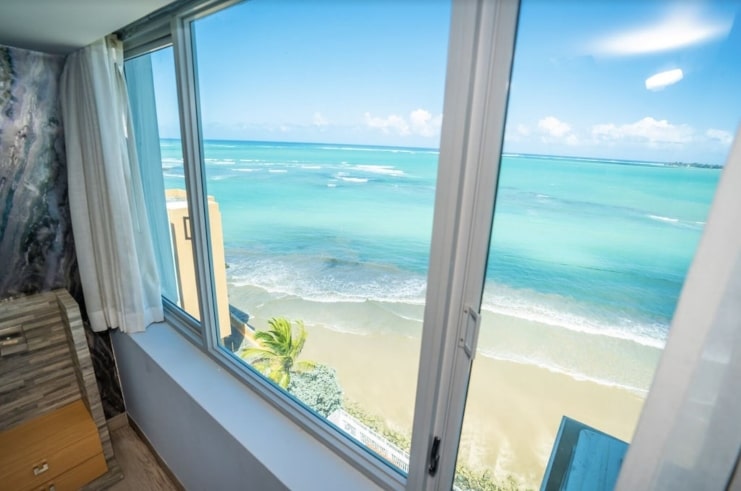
<point>434,456</point>
<point>471,332</point>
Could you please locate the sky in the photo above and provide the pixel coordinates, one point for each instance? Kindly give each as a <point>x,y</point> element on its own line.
<point>634,79</point>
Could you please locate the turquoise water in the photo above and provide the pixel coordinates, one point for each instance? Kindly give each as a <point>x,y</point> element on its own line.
<point>584,251</point>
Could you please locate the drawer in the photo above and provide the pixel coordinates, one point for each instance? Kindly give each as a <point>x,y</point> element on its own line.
<point>43,448</point>
<point>77,477</point>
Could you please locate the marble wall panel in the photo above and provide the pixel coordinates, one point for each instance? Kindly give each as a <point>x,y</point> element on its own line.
<point>37,251</point>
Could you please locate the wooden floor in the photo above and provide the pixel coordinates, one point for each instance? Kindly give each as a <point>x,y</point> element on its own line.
<point>141,470</point>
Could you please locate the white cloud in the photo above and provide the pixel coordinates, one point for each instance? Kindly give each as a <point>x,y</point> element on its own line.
<point>722,136</point>
<point>424,124</point>
<point>523,130</point>
<point>553,130</point>
<point>682,27</point>
<point>664,79</point>
<point>552,126</point>
<point>420,122</point>
<point>647,130</point>
<point>319,120</point>
<point>388,124</point>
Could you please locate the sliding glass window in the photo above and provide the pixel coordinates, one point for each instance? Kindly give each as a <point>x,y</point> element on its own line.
<point>320,126</point>
<point>339,243</point>
<point>155,116</point>
<point>617,129</point>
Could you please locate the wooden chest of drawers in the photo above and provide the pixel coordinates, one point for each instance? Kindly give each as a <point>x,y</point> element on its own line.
<point>50,409</point>
<point>57,451</point>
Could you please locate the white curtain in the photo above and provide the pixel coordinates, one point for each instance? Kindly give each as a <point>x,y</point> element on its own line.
<point>114,248</point>
<point>689,434</point>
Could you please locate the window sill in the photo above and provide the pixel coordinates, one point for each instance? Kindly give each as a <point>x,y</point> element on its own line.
<point>213,431</point>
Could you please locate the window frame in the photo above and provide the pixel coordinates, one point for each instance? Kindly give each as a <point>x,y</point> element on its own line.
<point>480,54</point>
<point>480,49</point>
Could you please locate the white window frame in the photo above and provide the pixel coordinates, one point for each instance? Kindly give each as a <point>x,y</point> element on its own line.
<point>480,53</point>
<point>479,63</point>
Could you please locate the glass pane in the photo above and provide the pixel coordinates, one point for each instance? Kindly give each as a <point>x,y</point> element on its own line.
<point>617,128</point>
<point>153,98</point>
<point>321,129</point>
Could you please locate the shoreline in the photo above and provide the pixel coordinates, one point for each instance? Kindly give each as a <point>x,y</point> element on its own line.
<point>513,410</point>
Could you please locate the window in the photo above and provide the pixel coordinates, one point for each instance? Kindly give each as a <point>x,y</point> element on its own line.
<point>333,241</point>
<point>607,176</point>
<point>320,201</point>
<point>151,86</point>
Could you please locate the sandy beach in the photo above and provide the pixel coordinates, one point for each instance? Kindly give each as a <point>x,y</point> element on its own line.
<point>513,411</point>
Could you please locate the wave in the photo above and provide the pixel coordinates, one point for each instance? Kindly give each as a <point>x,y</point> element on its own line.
<point>649,335</point>
<point>574,374</point>
<point>354,179</point>
<point>660,218</point>
<point>220,161</point>
<point>277,171</point>
<point>330,282</point>
<point>386,170</point>
<point>677,221</point>
<point>247,169</point>
<point>412,292</point>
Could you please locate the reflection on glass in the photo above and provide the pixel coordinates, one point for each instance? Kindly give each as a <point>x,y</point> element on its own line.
<point>151,87</point>
<point>616,131</point>
<point>325,245</point>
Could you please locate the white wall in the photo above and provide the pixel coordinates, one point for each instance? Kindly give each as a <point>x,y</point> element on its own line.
<point>210,429</point>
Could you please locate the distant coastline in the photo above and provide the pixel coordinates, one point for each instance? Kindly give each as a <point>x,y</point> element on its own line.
<point>603,160</point>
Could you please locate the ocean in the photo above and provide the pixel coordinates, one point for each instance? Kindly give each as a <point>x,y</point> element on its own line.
<point>586,264</point>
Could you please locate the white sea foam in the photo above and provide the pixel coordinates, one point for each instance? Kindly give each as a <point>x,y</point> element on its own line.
<point>171,160</point>
<point>247,169</point>
<point>354,179</point>
<point>564,320</point>
<point>663,219</point>
<point>277,171</point>
<point>387,170</point>
<point>523,360</point>
<point>306,166</point>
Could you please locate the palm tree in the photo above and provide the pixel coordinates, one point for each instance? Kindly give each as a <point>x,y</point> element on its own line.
<point>277,350</point>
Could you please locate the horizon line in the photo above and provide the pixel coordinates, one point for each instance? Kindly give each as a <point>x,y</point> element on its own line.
<point>508,154</point>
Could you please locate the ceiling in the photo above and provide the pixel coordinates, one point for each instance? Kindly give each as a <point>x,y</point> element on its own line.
<point>61,26</point>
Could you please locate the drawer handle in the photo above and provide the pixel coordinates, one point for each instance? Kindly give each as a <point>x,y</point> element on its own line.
<point>40,469</point>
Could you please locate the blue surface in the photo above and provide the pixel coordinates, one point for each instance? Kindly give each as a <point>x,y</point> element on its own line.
<point>583,459</point>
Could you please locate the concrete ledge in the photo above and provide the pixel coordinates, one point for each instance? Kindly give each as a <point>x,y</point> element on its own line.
<point>210,429</point>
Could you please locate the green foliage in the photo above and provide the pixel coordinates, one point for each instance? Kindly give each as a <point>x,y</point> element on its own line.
<point>277,350</point>
<point>318,389</point>
<point>401,440</point>
<point>467,479</point>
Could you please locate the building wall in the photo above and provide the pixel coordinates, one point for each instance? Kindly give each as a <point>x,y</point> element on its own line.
<point>37,250</point>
